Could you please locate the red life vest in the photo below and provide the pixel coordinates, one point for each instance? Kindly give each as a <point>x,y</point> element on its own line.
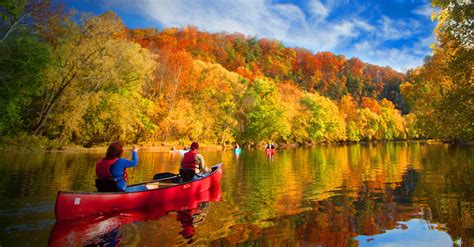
<point>189,160</point>
<point>102,169</point>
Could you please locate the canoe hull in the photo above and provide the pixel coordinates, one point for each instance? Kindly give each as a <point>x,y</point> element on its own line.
<point>73,205</point>
<point>81,232</point>
<point>270,152</point>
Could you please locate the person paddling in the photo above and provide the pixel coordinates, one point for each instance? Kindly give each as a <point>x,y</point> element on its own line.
<point>112,166</point>
<point>193,163</point>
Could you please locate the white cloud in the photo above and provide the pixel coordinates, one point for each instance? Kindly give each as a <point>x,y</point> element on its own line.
<point>424,10</point>
<point>290,11</point>
<point>346,29</point>
<point>286,22</point>
<point>373,50</point>
<point>396,29</point>
<point>400,59</point>
<point>311,28</point>
<point>363,24</point>
<point>318,10</point>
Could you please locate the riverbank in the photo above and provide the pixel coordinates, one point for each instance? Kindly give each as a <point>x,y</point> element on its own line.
<point>25,143</point>
<point>40,144</point>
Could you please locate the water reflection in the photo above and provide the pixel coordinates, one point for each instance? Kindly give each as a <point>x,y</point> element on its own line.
<point>336,220</point>
<point>106,230</point>
<point>329,196</point>
<point>325,195</point>
<point>421,233</point>
<point>189,218</point>
<point>237,152</point>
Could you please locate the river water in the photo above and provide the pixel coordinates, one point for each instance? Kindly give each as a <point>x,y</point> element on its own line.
<point>395,194</point>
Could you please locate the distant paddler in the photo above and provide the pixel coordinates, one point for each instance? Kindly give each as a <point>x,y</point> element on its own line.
<point>270,149</point>
<point>237,149</point>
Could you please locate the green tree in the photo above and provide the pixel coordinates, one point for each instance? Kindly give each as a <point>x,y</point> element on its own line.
<point>75,49</point>
<point>263,114</point>
<point>325,122</point>
<point>94,89</point>
<point>218,101</point>
<point>368,124</point>
<point>392,124</point>
<point>22,66</point>
<point>12,14</point>
<point>116,108</point>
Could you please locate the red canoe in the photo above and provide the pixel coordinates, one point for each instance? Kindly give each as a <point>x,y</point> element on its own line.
<point>90,231</point>
<point>73,205</point>
<point>270,152</point>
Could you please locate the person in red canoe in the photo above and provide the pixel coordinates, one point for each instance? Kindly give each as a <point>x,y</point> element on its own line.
<point>113,166</point>
<point>193,163</point>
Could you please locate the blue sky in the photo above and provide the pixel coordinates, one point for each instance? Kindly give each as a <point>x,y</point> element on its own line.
<point>395,33</point>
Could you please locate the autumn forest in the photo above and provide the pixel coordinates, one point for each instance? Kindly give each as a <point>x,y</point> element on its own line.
<point>88,80</point>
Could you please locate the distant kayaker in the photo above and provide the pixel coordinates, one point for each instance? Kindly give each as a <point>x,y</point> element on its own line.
<point>270,148</point>
<point>113,166</point>
<point>193,160</point>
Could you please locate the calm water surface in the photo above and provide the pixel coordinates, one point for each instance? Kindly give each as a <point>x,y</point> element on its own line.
<point>397,194</point>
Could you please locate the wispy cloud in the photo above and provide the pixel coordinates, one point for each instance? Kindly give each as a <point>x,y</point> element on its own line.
<point>402,59</point>
<point>315,25</point>
<point>424,10</point>
<point>318,10</point>
<point>396,29</point>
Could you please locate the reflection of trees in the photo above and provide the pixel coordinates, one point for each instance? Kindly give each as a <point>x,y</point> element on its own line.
<point>296,176</point>
<point>326,194</point>
<point>447,187</point>
<point>335,221</point>
<point>41,175</point>
<point>350,190</point>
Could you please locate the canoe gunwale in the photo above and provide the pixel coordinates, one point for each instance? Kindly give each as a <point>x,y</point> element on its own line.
<point>218,167</point>
<point>64,205</point>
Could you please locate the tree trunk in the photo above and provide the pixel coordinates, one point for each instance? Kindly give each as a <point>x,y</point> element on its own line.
<point>50,105</point>
<point>12,27</point>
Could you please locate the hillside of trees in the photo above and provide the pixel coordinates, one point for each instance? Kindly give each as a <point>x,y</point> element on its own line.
<point>329,75</point>
<point>88,80</point>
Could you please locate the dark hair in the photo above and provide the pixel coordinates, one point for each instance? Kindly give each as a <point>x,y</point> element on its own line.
<point>194,145</point>
<point>115,150</point>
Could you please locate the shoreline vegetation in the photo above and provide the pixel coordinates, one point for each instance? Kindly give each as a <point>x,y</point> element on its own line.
<point>71,80</point>
<point>44,146</point>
